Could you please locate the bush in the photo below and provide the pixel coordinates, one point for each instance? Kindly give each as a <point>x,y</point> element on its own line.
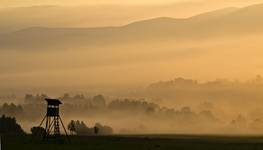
<point>38,131</point>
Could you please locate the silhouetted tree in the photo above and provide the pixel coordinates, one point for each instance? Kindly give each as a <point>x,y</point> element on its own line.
<point>37,99</point>
<point>96,130</point>
<point>72,127</point>
<point>82,129</point>
<point>99,101</point>
<point>104,130</point>
<point>11,109</point>
<point>8,125</point>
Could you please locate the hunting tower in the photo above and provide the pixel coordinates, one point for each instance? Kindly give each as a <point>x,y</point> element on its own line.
<point>53,120</point>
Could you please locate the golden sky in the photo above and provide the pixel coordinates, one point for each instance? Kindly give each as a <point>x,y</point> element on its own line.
<point>15,3</point>
<point>30,68</point>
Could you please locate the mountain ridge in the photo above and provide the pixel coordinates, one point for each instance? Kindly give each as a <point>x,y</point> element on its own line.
<point>223,22</point>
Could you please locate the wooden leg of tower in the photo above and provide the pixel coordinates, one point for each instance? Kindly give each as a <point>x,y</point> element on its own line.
<point>64,129</point>
<point>42,121</point>
<point>50,126</point>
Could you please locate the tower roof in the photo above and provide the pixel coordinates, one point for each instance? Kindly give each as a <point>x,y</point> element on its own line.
<point>53,101</point>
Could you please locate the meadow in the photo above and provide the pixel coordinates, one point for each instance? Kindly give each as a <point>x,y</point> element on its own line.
<point>138,142</point>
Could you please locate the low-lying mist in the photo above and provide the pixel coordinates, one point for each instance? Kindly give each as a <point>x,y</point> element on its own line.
<point>179,106</point>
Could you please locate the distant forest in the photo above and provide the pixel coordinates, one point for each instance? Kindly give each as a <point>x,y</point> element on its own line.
<point>35,107</point>
<point>183,89</point>
<point>209,105</point>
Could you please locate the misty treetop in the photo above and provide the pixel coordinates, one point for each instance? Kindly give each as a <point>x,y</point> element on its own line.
<point>182,89</point>
<point>11,109</point>
<point>80,128</point>
<point>99,105</point>
<point>177,104</point>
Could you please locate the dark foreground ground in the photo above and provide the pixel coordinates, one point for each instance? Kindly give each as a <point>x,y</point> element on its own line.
<point>149,142</point>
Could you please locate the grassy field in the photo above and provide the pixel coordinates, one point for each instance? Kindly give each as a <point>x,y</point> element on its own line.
<point>140,142</point>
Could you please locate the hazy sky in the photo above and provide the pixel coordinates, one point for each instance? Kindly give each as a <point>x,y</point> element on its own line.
<point>160,65</point>
<point>14,3</point>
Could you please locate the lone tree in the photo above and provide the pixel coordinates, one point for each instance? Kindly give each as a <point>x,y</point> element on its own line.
<point>72,127</point>
<point>96,130</point>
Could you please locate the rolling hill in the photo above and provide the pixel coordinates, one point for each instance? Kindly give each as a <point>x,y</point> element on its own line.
<point>230,22</point>
<point>61,16</point>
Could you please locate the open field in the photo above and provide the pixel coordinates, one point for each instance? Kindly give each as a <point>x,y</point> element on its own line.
<point>141,142</point>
